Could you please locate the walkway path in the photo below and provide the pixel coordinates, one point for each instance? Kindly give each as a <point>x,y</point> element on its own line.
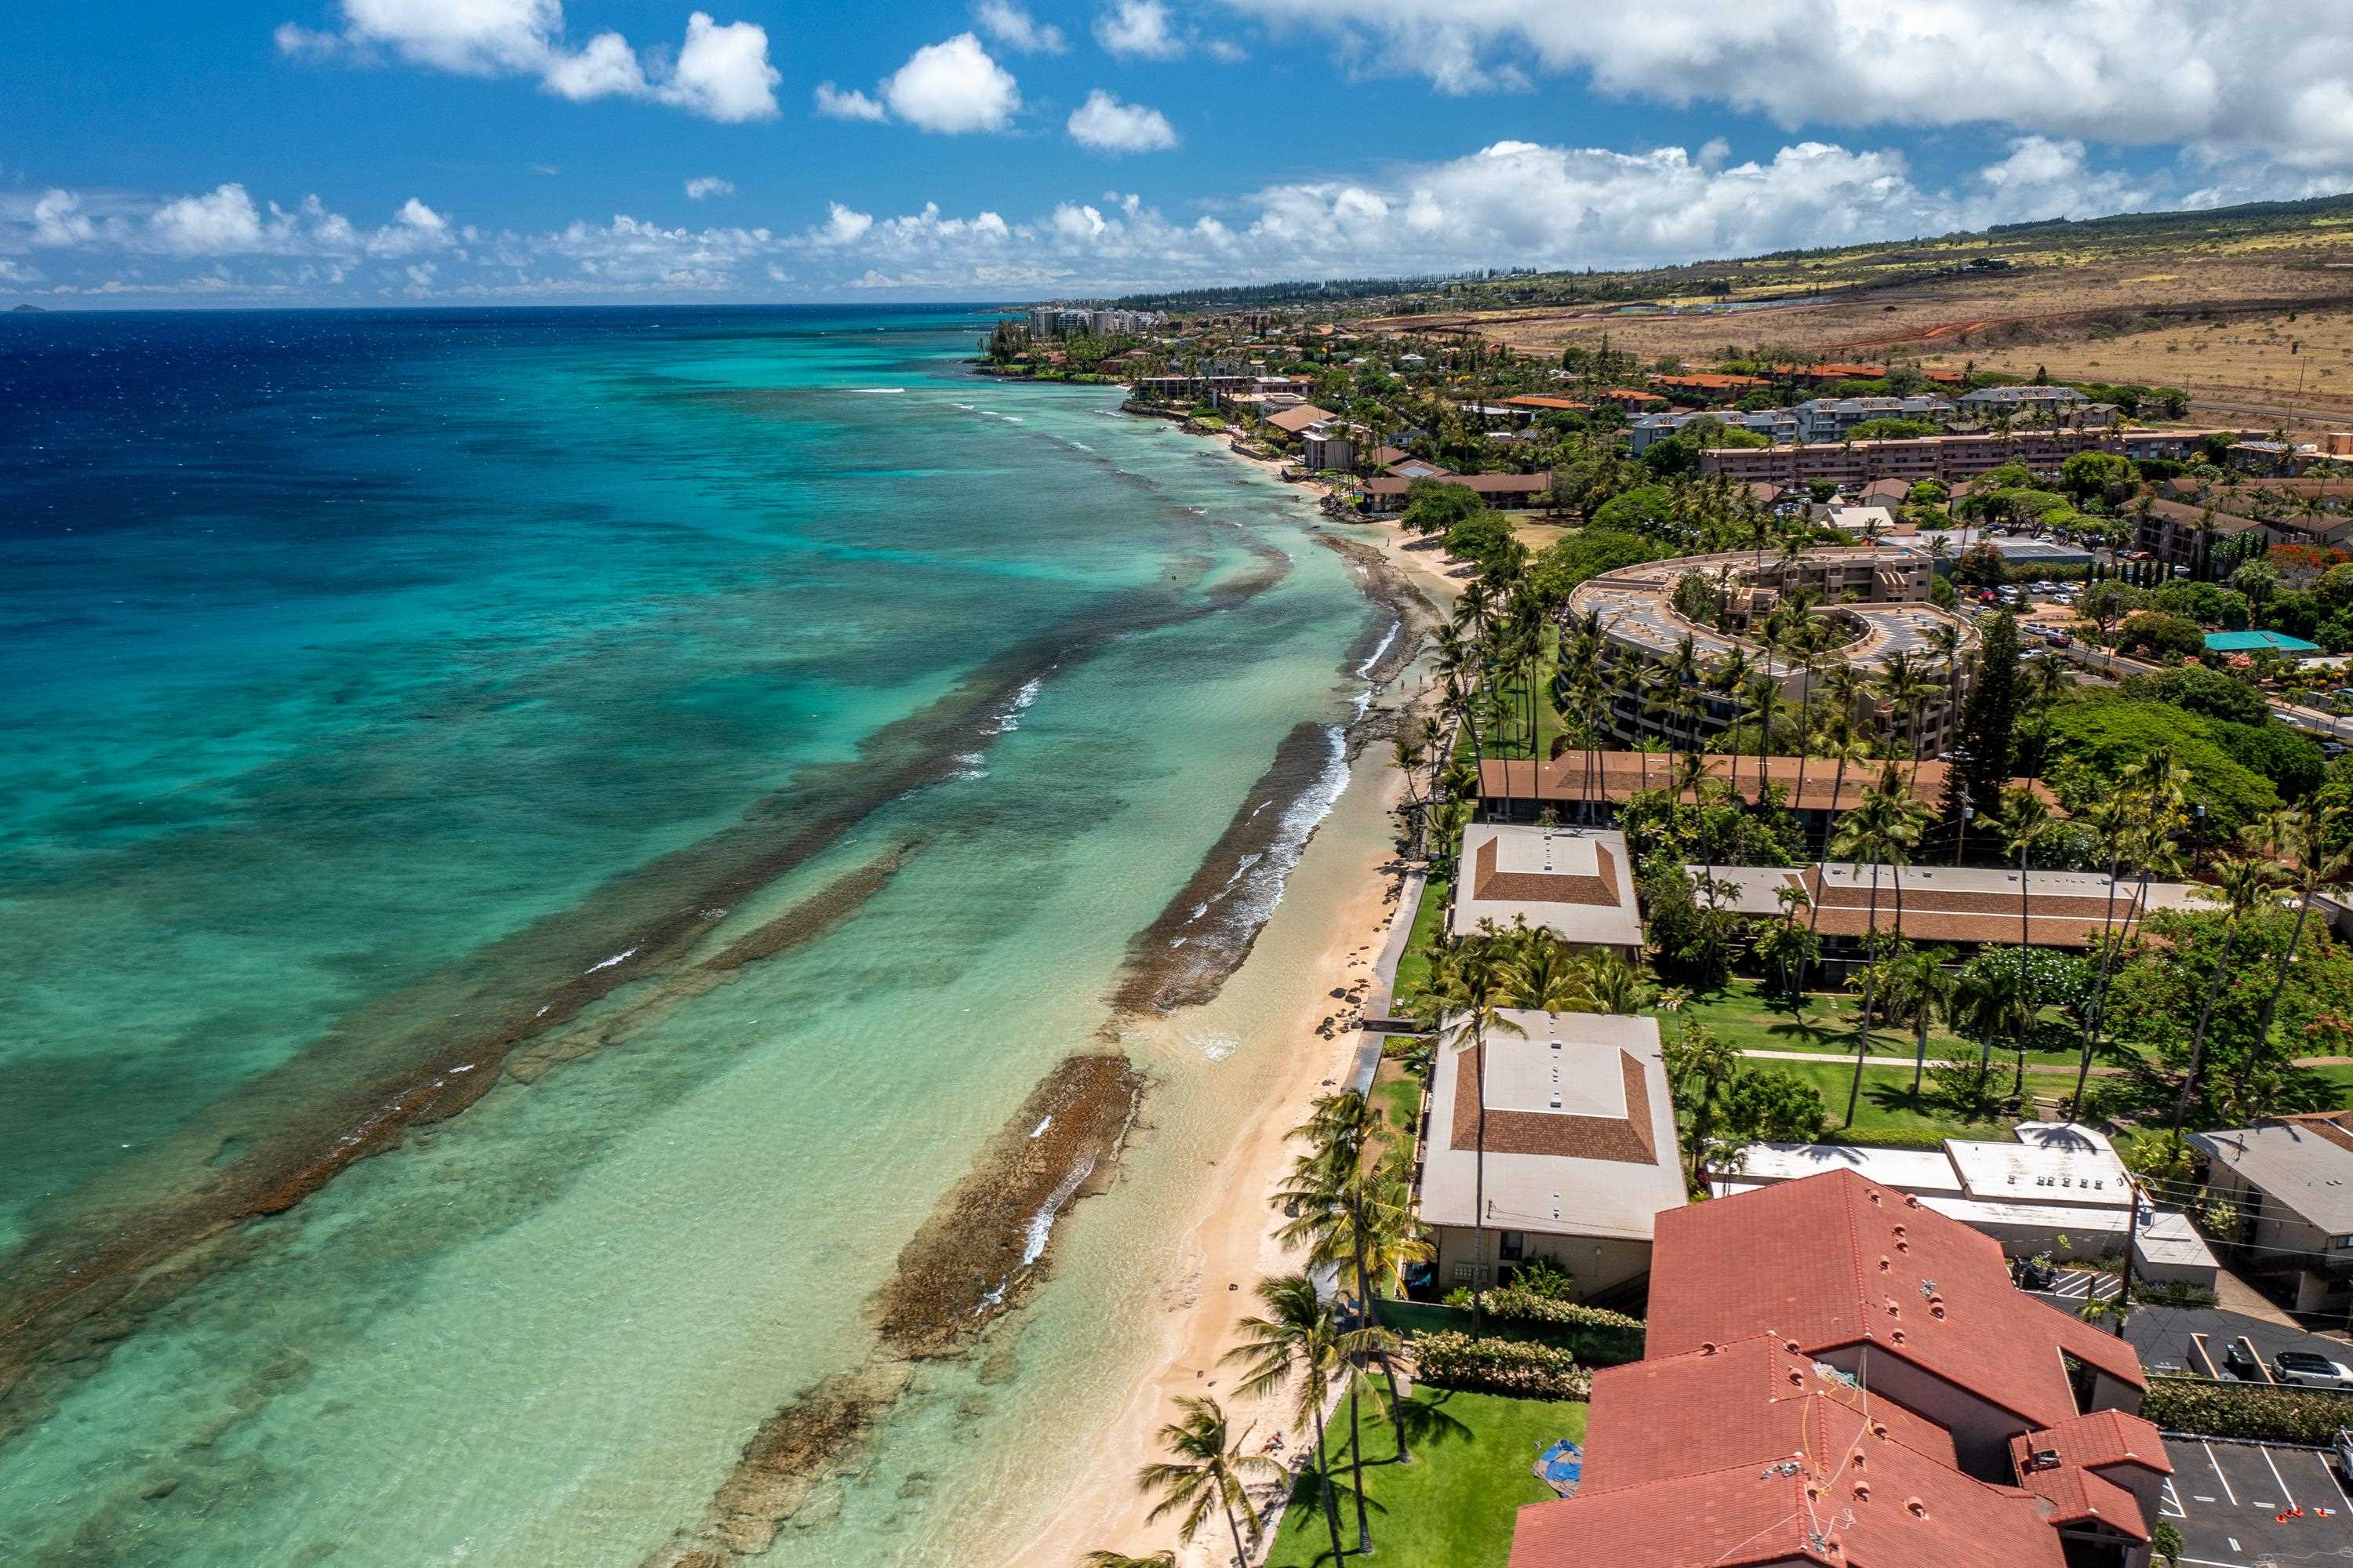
<point>1835,1055</point>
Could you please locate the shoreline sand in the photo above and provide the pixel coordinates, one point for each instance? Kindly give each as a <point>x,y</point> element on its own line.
<point>1227,1235</point>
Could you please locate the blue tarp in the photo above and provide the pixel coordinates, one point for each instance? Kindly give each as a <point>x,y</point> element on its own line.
<point>1562,1467</point>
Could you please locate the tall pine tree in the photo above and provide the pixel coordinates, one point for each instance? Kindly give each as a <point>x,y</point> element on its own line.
<point>1989,722</point>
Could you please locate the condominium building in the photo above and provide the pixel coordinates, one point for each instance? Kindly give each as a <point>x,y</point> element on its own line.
<point>1879,592</point>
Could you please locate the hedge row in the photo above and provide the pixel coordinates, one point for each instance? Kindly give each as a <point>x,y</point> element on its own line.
<point>1500,1366</point>
<point>1527,1306</point>
<point>2246,1410</point>
<point>1595,1336</point>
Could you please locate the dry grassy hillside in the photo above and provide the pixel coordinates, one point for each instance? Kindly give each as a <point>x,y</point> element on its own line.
<point>2250,309</point>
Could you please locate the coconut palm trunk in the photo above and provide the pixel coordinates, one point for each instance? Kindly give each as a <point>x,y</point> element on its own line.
<point>1870,974</point>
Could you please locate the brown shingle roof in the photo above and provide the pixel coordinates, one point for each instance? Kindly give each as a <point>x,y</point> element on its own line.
<point>1626,1139</point>
<point>1600,889</point>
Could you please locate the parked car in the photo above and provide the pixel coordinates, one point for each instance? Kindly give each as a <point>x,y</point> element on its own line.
<point>2061,640</point>
<point>2306,1369</point>
<point>2341,1450</point>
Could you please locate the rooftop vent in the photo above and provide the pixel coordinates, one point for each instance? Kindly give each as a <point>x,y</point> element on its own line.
<point>1916,1507</point>
<point>2043,1460</point>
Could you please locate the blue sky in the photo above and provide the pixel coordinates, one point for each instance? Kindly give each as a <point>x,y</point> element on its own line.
<point>257,152</point>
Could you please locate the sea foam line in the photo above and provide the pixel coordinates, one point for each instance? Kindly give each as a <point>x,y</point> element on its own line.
<point>620,958</point>
<point>1386,643</point>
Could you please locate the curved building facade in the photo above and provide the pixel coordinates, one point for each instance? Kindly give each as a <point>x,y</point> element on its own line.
<point>1880,591</point>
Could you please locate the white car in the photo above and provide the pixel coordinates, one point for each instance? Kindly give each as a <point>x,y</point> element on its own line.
<point>2303,1369</point>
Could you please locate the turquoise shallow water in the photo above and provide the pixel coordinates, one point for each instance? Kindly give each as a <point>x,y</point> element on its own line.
<point>375,675</point>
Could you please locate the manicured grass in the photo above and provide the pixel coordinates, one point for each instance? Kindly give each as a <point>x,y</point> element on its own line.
<point>1473,1467</point>
<point>1397,1092</point>
<point>1509,739</point>
<point>1741,1016</point>
<point>1429,925</point>
<point>1887,1104</point>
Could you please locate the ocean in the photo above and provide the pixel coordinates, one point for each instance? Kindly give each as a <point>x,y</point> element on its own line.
<point>547,849</point>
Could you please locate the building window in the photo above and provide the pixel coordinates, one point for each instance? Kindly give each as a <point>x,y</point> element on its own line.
<point>1515,1246</point>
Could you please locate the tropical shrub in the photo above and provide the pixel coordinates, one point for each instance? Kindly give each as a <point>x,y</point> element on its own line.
<point>2247,1409</point>
<point>1448,1360</point>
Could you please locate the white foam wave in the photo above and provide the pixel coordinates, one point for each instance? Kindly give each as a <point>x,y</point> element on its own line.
<point>1010,719</point>
<point>1256,899</point>
<point>878,391</point>
<point>1364,701</point>
<point>620,958</point>
<point>1215,1047</point>
<point>1081,446</point>
<point>1042,1224</point>
<point>971,764</point>
<point>1039,1130</point>
<point>1386,643</point>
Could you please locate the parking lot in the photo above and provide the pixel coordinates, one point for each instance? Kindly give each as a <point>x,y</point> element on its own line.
<point>2248,1505</point>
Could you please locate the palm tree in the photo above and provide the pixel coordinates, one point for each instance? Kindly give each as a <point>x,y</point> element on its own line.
<point>1208,1470</point>
<point>1882,829</point>
<point>1704,1067</point>
<point>1906,688</point>
<point>2114,823</point>
<point>1352,1211</point>
<point>2313,865</point>
<point>2244,883</point>
<point>2025,823</point>
<point>1301,1341</point>
<point>1918,990</point>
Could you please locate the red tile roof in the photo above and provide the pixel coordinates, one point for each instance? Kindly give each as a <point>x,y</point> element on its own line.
<point>1761,1399</point>
<point>2099,1440</point>
<point>1835,1260</point>
<point>1540,400</point>
<point>2077,1496</point>
<point>1843,1496</point>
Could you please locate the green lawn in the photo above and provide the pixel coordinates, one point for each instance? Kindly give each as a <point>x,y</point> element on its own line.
<point>1473,1467</point>
<point>1741,1015</point>
<point>1397,1092</point>
<point>1888,1105</point>
<point>1428,926</point>
<point>1509,738</point>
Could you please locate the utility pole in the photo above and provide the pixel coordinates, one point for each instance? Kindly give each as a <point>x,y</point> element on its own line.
<point>1967,811</point>
<point>2132,1235</point>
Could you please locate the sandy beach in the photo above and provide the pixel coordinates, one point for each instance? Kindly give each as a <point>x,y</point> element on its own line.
<point>1322,942</point>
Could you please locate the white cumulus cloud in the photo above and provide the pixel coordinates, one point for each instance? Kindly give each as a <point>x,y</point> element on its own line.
<point>1012,25</point>
<point>703,186</point>
<point>721,71</point>
<point>1107,126</point>
<point>952,88</point>
<point>2274,76</point>
<point>1138,29</point>
<point>834,104</point>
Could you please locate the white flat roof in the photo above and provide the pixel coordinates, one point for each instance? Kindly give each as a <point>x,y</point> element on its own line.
<point>2050,1173</point>
<point>2170,1238</point>
<point>1919,1170</point>
<point>1578,1057</point>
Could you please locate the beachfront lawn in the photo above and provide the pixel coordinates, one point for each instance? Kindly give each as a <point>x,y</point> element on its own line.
<point>1473,1467</point>
<point>1421,943</point>
<point>1396,1090</point>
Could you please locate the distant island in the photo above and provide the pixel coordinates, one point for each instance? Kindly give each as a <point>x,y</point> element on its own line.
<point>20,308</point>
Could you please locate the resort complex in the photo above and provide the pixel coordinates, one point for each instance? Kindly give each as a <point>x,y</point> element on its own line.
<point>1866,971</point>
